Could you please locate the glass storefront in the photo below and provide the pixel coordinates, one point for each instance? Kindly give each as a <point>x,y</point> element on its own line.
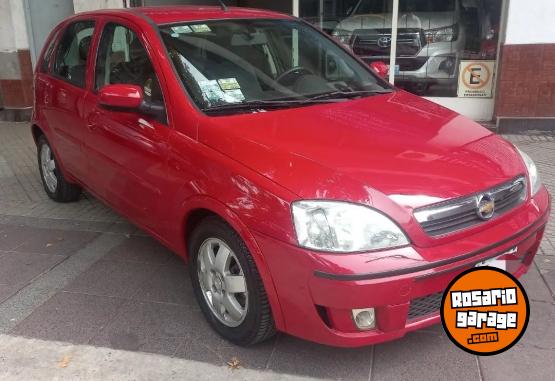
<point>445,48</point>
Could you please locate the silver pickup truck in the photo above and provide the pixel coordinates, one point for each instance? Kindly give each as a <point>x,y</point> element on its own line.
<point>431,39</point>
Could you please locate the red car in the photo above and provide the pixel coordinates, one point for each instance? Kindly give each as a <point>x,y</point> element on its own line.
<point>307,194</point>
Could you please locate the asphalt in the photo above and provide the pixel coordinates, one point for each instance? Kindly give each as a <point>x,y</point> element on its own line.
<point>84,295</point>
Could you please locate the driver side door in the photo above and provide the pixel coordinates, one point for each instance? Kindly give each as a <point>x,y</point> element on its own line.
<point>127,150</point>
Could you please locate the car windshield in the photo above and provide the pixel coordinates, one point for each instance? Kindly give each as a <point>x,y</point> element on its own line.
<point>385,6</point>
<point>238,62</point>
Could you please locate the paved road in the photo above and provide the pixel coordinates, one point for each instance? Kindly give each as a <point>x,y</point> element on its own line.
<point>85,295</point>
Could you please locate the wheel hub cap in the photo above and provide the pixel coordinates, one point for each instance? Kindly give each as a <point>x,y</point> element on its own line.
<point>48,166</point>
<point>222,282</point>
<point>218,283</point>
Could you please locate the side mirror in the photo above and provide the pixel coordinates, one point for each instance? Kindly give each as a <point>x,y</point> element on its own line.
<point>130,98</point>
<point>120,96</point>
<point>380,68</point>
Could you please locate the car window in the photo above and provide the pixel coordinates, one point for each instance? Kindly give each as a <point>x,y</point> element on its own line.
<point>73,52</point>
<point>48,54</point>
<point>123,59</point>
<point>225,62</point>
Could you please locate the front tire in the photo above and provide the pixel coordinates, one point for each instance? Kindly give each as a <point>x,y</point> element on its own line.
<point>53,181</point>
<point>227,284</point>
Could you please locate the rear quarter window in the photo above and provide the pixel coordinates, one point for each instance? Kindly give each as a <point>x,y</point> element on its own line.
<point>45,63</point>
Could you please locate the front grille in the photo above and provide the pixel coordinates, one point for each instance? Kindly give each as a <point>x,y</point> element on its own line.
<point>462,213</point>
<point>424,306</point>
<point>366,42</point>
<point>405,64</point>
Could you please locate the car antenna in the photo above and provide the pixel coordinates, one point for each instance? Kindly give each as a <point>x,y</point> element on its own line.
<point>224,7</point>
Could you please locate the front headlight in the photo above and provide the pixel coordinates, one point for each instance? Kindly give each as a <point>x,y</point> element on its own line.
<point>533,175</point>
<point>343,36</point>
<point>344,227</point>
<point>447,34</point>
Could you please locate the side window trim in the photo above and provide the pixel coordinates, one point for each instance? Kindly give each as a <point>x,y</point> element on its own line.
<point>61,34</point>
<point>49,53</point>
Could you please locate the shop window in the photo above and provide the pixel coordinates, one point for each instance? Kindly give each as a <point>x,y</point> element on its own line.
<point>445,48</point>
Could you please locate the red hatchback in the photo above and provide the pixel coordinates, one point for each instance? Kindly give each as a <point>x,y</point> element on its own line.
<point>307,194</point>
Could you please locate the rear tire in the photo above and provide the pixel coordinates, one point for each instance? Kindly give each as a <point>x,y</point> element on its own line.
<point>250,320</point>
<point>53,181</point>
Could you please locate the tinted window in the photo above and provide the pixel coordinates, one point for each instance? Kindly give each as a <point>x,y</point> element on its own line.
<point>73,52</point>
<point>47,55</point>
<point>122,58</point>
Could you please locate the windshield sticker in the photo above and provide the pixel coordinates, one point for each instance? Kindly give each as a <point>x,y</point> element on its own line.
<point>235,96</point>
<point>229,84</point>
<point>201,28</point>
<point>181,29</point>
<point>213,93</point>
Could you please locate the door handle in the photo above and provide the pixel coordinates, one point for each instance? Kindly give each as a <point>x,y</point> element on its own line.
<point>92,121</point>
<point>146,125</point>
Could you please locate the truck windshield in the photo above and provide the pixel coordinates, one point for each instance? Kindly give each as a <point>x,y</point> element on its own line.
<point>385,6</point>
<point>235,62</point>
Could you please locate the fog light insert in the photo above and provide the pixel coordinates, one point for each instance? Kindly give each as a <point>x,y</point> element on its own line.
<point>364,318</point>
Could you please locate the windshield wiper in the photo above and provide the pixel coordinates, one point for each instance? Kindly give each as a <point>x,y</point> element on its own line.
<point>261,105</point>
<point>348,94</point>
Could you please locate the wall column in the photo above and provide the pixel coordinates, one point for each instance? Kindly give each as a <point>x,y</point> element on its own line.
<point>16,75</point>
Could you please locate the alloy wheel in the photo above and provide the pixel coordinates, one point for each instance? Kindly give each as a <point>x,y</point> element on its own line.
<point>222,282</point>
<point>48,166</point>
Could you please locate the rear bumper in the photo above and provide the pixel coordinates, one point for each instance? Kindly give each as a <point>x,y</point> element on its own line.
<point>317,291</point>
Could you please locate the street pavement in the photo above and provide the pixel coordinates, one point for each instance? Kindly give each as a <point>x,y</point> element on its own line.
<point>86,295</point>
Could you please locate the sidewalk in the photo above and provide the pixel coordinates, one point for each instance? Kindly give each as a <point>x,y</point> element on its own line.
<point>86,295</point>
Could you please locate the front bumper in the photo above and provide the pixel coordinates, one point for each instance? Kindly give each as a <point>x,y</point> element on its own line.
<point>317,291</point>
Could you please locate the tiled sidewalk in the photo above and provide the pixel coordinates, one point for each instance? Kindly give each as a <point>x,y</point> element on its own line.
<point>80,274</point>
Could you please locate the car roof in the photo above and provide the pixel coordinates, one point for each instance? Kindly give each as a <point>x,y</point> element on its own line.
<point>186,13</point>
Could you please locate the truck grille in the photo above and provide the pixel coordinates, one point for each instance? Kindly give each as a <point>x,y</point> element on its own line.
<point>377,42</point>
<point>462,213</point>
<point>424,306</point>
<point>405,64</point>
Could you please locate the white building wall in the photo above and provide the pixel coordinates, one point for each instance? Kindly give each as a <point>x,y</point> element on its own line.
<point>13,31</point>
<point>13,37</point>
<point>7,42</point>
<point>531,22</point>
<point>19,26</point>
<point>91,5</point>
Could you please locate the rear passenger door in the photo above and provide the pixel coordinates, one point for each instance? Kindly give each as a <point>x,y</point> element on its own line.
<point>68,84</point>
<point>127,150</point>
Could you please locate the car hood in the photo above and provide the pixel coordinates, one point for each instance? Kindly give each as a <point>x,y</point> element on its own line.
<point>397,145</point>
<point>420,20</point>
